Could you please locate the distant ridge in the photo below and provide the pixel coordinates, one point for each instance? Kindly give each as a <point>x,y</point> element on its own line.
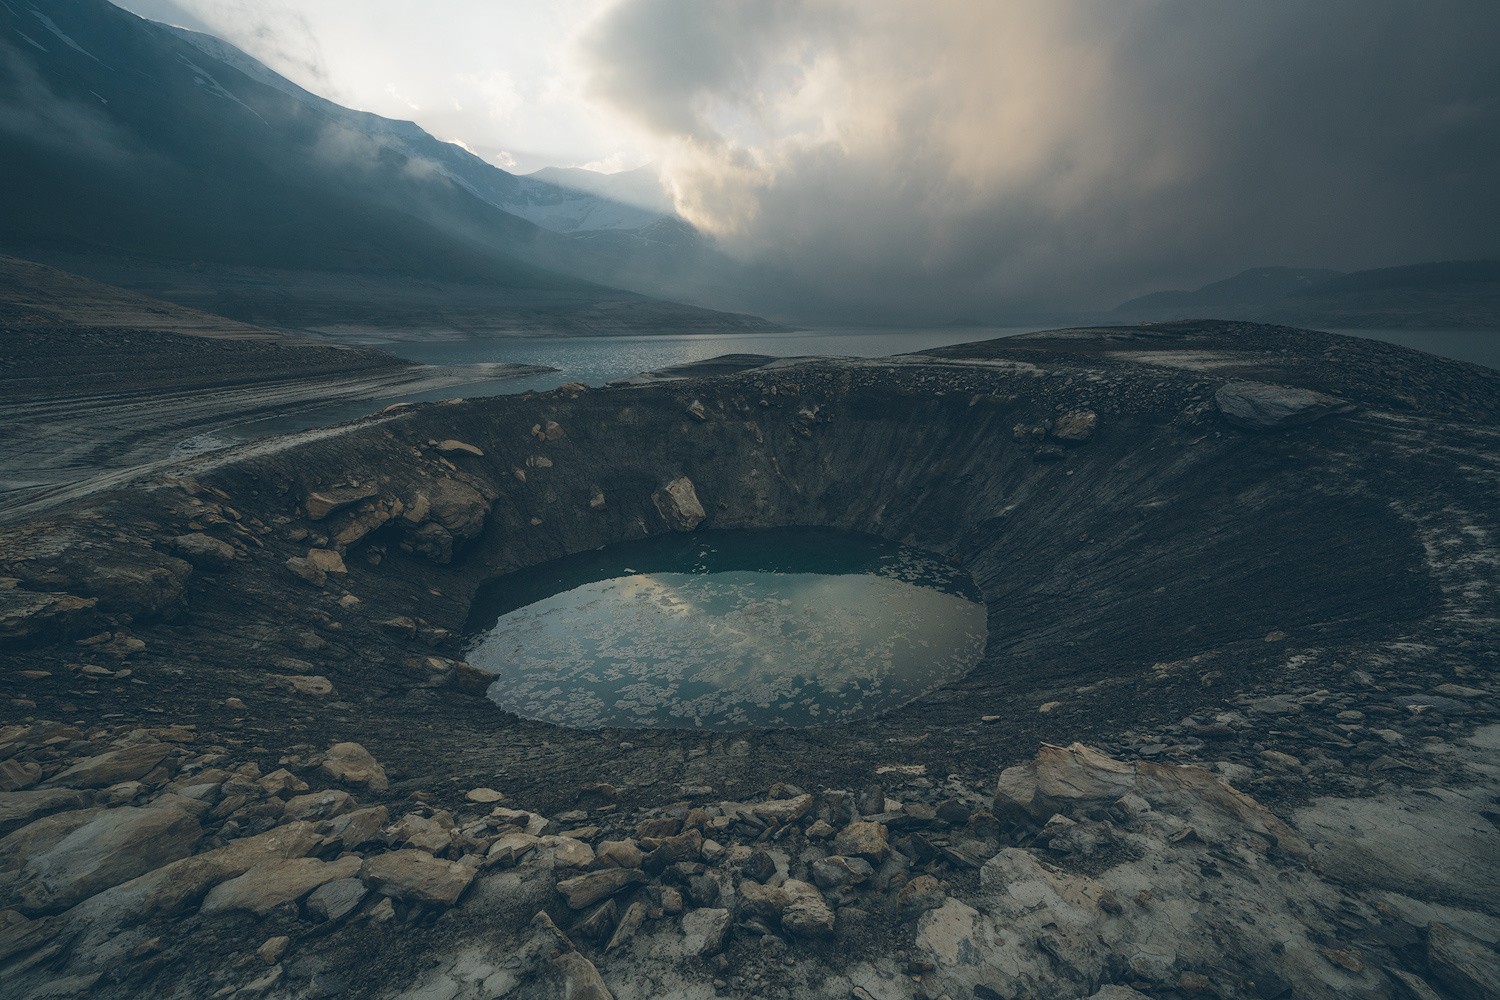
<point>1450,294</point>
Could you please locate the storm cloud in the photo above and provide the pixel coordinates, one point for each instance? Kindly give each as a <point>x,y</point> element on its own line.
<point>969,159</point>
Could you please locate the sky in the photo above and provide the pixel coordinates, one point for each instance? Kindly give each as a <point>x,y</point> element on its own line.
<point>957,156</point>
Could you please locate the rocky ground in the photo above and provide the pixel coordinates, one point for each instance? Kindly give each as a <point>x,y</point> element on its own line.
<point>1235,733</point>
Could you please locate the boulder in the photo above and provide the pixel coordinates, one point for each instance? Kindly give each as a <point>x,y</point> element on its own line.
<point>703,931</point>
<point>320,503</point>
<point>19,808</point>
<point>110,768</point>
<point>352,764</point>
<point>175,887</point>
<point>416,876</point>
<point>579,979</point>
<point>678,504</point>
<point>863,839</point>
<point>270,884</point>
<point>1075,425</point>
<point>335,900</point>
<point>805,914</point>
<point>314,684</point>
<point>619,853</point>
<point>115,846</point>
<point>510,848</point>
<point>360,826</point>
<point>585,890</point>
<point>319,805</point>
<point>204,551</point>
<point>28,613</point>
<point>837,871</point>
<point>304,568</point>
<point>18,774</point>
<point>797,906</point>
<point>1258,406</point>
<point>326,561</point>
<point>433,834</point>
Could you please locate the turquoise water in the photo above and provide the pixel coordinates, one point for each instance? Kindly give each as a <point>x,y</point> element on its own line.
<point>726,630</point>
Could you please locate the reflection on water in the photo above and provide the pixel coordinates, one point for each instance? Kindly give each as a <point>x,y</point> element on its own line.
<point>727,630</point>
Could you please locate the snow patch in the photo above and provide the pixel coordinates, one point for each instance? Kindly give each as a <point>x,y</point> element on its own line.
<point>51,26</point>
<point>206,80</point>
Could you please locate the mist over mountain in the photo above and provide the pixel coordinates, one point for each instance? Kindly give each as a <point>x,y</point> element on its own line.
<point>135,150</point>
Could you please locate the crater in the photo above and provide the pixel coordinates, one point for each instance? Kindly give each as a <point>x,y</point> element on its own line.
<point>727,630</point>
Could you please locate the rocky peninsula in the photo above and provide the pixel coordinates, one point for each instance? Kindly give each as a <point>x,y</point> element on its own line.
<point>1236,732</point>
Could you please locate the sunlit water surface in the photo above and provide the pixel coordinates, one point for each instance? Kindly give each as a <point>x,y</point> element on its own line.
<point>727,630</point>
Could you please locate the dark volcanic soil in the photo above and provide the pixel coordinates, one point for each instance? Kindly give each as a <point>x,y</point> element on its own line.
<point>1149,563</point>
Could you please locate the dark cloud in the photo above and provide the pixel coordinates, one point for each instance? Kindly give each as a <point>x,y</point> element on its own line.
<point>971,159</point>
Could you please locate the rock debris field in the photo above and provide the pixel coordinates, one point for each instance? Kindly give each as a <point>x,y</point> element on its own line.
<point>1235,733</point>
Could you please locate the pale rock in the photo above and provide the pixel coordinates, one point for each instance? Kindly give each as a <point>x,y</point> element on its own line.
<point>300,566</point>
<point>1257,406</point>
<point>510,848</point>
<point>311,684</point>
<point>434,834</point>
<point>128,764</point>
<point>678,504</point>
<point>416,876</point>
<point>1075,425</point>
<point>319,805</point>
<point>204,551</point>
<point>352,764</point>
<point>266,886</point>
<point>335,900</point>
<point>319,504</point>
<point>580,980</point>
<point>567,852</point>
<point>619,853</point>
<point>863,839</point>
<point>326,561</point>
<point>703,931</point>
<point>271,951</point>
<point>451,446</point>
<point>358,827</point>
<point>584,890</point>
<point>115,846</point>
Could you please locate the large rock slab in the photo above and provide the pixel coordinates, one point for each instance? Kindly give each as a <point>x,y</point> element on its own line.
<point>114,847</point>
<point>276,883</point>
<point>416,876</point>
<point>19,808</point>
<point>1258,406</point>
<point>114,766</point>
<point>585,890</point>
<point>177,887</point>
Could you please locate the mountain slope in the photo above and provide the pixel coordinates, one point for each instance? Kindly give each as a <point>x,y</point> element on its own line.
<point>130,150</point>
<point>625,231</point>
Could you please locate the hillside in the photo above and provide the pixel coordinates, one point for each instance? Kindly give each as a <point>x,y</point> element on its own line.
<point>137,156</point>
